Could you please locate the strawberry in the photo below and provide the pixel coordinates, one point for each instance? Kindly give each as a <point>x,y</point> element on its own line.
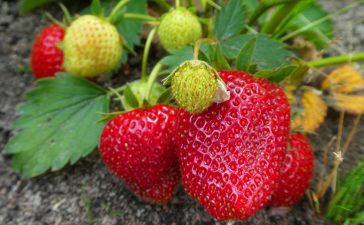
<point>92,46</point>
<point>137,146</point>
<point>179,28</point>
<point>196,86</point>
<point>231,154</point>
<point>46,58</point>
<point>296,172</point>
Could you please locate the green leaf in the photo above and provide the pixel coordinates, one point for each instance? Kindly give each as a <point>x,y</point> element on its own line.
<point>130,29</point>
<point>278,74</point>
<point>308,13</point>
<point>29,5</point>
<point>250,5</point>
<point>130,97</point>
<point>164,97</point>
<point>245,56</point>
<point>268,53</point>
<point>96,8</point>
<point>57,124</point>
<point>177,57</point>
<point>348,201</point>
<point>220,61</point>
<point>230,20</point>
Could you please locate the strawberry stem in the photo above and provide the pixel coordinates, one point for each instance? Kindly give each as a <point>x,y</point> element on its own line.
<point>116,9</point>
<point>278,17</point>
<point>51,18</point>
<point>213,4</point>
<point>263,7</point>
<point>67,15</point>
<point>151,80</point>
<point>198,44</point>
<point>163,4</point>
<point>178,4</point>
<point>114,92</point>
<point>335,60</point>
<point>146,52</point>
<point>140,17</point>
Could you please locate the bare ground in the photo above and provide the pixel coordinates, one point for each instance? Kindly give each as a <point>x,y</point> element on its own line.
<point>86,193</point>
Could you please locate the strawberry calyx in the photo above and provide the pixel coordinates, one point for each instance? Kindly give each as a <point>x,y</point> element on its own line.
<point>141,93</point>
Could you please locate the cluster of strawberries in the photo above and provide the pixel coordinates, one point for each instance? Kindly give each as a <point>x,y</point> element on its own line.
<point>232,157</point>
<point>234,153</point>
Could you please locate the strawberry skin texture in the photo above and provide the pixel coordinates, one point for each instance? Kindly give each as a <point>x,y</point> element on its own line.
<point>46,58</point>
<point>138,147</point>
<point>296,172</point>
<point>92,47</point>
<point>231,154</point>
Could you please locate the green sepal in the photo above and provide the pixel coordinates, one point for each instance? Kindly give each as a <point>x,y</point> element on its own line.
<point>134,95</point>
<point>96,8</point>
<point>130,98</point>
<point>164,97</point>
<point>245,57</point>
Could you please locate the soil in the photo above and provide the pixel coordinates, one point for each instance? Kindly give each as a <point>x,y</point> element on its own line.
<point>86,193</point>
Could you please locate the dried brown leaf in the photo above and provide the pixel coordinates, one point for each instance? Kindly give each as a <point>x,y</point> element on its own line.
<point>345,79</point>
<point>313,111</point>
<point>353,104</point>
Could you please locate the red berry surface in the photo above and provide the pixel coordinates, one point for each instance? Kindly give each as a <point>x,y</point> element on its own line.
<point>231,154</point>
<point>296,172</point>
<point>46,58</point>
<point>138,147</point>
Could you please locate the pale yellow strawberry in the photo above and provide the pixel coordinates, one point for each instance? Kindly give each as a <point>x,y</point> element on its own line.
<point>179,28</point>
<point>92,46</point>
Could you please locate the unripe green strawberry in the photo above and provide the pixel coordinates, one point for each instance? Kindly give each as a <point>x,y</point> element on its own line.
<point>196,86</point>
<point>92,46</point>
<point>179,28</point>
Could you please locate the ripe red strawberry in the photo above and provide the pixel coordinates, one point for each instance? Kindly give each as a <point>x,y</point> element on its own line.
<point>46,58</point>
<point>296,172</point>
<point>231,154</point>
<point>137,146</point>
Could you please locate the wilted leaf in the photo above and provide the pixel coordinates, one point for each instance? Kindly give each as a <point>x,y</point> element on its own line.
<point>311,110</point>
<point>58,124</point>
<point>353,104</point>
<point>345,79</point>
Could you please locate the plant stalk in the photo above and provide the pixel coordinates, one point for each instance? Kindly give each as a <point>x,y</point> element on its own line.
<point>213,4</point>
<point>178,3</point>
<point>336,60</point>
<point>151,80</point>
<point>264,6</point>
<point>148,43</point>
<point>140,17</point>
<point>279,15</point>
<point>116,9</point>
<point>113,92</point>
<point>163,4</point>
<point>321,20</point>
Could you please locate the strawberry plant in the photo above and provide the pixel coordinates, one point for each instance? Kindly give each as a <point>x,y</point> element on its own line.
<point>221,109</point>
